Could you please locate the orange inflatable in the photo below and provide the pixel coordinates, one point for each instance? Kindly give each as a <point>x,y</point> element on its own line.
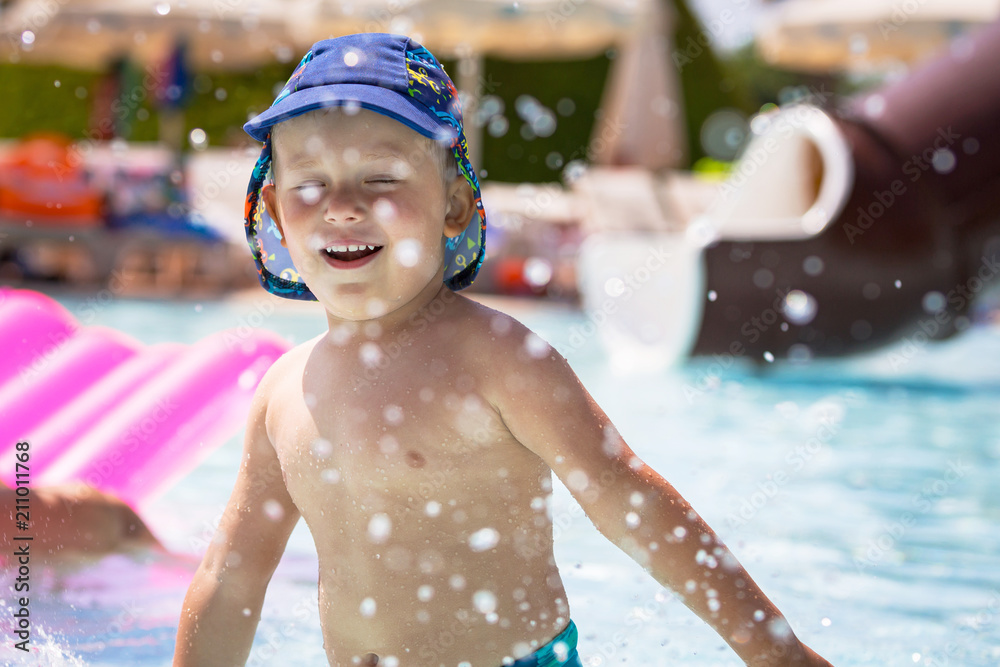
<point>41,179</point>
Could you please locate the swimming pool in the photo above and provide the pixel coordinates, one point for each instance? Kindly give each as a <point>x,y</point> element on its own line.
<point>860,494</point>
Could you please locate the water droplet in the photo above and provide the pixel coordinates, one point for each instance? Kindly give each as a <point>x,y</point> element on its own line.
<point>485,602</point>
<point>871,291</point>
<point>632,520</point>
<point>309,194</point>
<point>198,138</point>
<point>408,252</point>
<point>874,106</point>
<point>712,295</point>
<point>456,581</point>
<point>614,287</point>
<point>768,357</point>
<point>535,346</point>
<point>432,508</point>
<point>758,616</point>
<point>330,475</point>
<point>813,265</point>
<point>861,330</point>
<point>425,593</point>
<point>498,126</point>
<point>370,354</point>
<point>379,528</point>
<point>799,307</point>
<point>898,284</point>
<point>680,532</point>
<point>779,629</point>
<point>351,58</point>
<point>577,480</point>
<point>322,448</point>
<point>388,445</point>
<point>393,414</point>
<point>367,607</point>
<point>273,510</point>
<point>484,539</point>
<point>943,161</point>
<point>636,499</point>
<point>763,278</point>
<point>537,271</point>
<point>934,302</point>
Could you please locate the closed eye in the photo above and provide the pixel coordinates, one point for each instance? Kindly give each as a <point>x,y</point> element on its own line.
<point>309,193</point>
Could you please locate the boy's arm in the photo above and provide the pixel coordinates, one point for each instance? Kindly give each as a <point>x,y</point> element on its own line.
<point>223,603</point>
<point>552,414</point>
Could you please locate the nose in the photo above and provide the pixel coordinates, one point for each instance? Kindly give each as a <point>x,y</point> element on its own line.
<point>345,206</point>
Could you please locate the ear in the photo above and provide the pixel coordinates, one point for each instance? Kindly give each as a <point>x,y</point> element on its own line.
<point>269,196</point>
<point>461,205</point>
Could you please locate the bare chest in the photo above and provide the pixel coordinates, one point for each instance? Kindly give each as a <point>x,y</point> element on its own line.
<point>410,438</point>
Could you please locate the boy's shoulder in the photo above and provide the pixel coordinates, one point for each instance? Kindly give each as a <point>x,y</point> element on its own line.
<point>487,331</point>
<point>495,345</point>
<point>285,368</point>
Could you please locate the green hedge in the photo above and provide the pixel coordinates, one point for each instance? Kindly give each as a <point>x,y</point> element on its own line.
<point>43,98</point>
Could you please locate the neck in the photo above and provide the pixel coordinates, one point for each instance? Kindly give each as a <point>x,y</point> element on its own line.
<point>414,315</point>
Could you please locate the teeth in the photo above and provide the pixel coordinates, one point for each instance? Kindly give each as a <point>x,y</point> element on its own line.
<point>349,248</point>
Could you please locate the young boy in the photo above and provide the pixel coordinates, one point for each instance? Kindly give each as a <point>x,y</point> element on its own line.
<point>418,435</point>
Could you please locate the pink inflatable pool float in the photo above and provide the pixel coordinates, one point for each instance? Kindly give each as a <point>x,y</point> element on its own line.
<point>101,408</point>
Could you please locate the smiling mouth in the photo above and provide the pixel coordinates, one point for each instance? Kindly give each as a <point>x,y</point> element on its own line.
<point>351,253</point>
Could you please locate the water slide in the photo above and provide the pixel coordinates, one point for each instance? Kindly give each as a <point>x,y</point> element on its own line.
<point>846,224</point>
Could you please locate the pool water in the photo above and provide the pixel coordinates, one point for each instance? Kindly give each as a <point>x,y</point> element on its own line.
<point>859,493</point>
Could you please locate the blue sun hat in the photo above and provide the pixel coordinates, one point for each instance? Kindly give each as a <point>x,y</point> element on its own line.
<point>389,74</point>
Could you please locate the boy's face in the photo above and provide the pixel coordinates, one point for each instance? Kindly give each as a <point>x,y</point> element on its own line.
<point>363,179</point>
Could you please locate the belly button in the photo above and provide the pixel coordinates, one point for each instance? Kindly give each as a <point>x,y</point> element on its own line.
<point>369,660</point>
<point>415,459</point>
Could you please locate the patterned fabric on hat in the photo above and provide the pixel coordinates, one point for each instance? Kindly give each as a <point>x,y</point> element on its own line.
<point>429,85</point>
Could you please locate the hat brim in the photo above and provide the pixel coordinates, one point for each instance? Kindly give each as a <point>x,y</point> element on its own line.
<point>374,98</point>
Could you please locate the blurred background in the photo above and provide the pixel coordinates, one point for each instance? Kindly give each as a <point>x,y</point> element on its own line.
<point>765,234</point>
<point>122,152</point>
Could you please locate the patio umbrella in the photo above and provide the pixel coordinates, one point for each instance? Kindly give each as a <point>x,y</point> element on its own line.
<point>865,35</point>
<point>91,34</point>
<point>642,115</point>
<point>469,29</point>
<point>522,29</point>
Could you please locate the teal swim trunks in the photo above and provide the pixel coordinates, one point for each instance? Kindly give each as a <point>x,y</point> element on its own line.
<point>560,652</point>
